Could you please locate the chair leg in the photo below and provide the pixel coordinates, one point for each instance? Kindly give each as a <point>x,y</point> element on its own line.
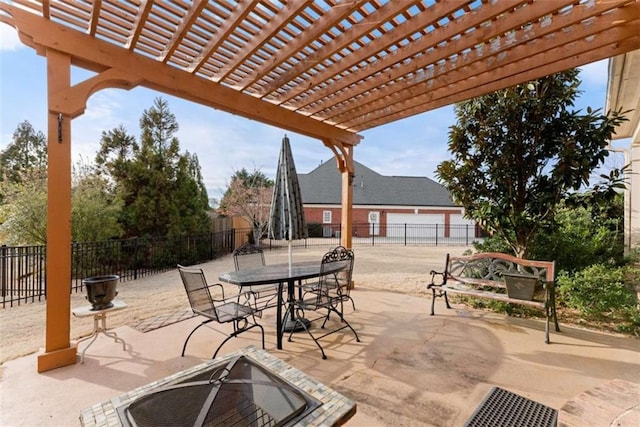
<point>304,326</point>
<point>184,347</point>
<point>215,353</point>
<point>348,325</point>
<point>433,301</point>
<point>324,356</point>
<point>237,331</point>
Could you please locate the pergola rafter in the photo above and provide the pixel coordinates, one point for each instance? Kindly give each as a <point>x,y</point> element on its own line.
<point>350,65</point>
<point>409,58</point>
<point>322,68</point>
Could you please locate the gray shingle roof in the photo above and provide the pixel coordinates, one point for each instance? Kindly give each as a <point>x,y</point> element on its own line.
<point>323,186</point>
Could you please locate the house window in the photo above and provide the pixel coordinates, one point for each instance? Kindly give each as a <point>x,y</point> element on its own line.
<point>326,217</point>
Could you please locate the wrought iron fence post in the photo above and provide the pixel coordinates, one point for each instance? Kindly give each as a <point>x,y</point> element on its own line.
<point>405,234</point>
<point>3,275</point>
<point>467,235</point>
<point>373,235</point>
<point>135,259</point>
<point>436,234</point>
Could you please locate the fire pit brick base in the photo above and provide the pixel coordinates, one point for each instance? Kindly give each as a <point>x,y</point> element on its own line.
<point>336,409</point>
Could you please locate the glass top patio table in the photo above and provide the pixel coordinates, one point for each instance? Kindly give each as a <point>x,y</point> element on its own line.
<point>279,274</point>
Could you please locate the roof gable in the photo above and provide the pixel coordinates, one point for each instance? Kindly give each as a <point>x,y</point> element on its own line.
<point>323,186</point>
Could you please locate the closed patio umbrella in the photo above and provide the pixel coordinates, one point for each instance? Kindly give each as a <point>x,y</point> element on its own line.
<point>286,219</point>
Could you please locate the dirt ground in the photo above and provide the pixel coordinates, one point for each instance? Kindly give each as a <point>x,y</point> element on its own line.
<point>399,269</point>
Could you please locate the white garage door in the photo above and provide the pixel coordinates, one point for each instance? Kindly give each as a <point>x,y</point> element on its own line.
<point>415,225</point>
<point>458,219</point>
<point>462,227</point>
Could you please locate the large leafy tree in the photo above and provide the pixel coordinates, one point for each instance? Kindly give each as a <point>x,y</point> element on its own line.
<point>249,196</point>
<point>161,189</point>
<point>95,208</point>
<point>518,152</point>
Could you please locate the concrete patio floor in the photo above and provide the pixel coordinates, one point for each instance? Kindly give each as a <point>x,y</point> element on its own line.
<point>410,369</point>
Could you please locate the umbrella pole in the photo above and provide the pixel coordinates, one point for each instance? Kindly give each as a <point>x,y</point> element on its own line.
<point>292,322</point>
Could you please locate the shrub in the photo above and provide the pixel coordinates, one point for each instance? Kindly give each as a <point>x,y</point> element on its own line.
<point>579,240</point>
<point>603,292</point>
<point>315,229</point>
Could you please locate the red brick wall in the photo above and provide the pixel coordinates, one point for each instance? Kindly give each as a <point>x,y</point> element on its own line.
<point>361,217</point>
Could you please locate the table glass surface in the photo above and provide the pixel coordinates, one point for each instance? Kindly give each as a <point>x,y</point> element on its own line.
<point>275,273</point>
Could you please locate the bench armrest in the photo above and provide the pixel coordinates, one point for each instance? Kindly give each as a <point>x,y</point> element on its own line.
<point>434,275</point>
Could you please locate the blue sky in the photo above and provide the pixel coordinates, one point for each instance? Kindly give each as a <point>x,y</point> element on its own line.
<point>226,143</point>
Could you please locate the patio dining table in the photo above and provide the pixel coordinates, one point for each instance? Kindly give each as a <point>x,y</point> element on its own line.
<point>280,274</point>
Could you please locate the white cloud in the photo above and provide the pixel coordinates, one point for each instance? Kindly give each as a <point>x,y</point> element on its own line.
<point>9,38</point>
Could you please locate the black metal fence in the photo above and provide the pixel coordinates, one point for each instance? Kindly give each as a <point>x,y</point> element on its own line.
<point>365,234</point>
<point>22,274</point>
<point>23,268</point>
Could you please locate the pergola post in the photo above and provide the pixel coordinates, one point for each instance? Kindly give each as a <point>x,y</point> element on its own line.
<point>64,103</point>
<point>58,351</point>
<point>344,158</point>
<point>632,199</point>
<point>346,229</point>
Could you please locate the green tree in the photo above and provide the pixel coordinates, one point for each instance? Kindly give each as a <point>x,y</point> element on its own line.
<point>27,151</point>
<point>518,152</point>
<point>95,208</point>
<point>23,187</point>
<point>191,196</point>
<point>24,216</point>
<point>249,196</point>
<point>161,189</point>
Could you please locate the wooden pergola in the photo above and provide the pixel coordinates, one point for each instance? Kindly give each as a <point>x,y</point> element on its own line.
<point>327,69</point>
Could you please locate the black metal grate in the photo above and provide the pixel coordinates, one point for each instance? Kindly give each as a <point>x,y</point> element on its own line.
<point>504,408</point>
<point>240,393</point>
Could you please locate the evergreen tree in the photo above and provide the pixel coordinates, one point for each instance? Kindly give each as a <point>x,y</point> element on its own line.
<point>161,189</point>
<point>27,151</point>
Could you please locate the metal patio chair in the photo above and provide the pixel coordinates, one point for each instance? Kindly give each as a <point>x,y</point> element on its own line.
<point>328,294</point>
<point>341,289</point>
<point>249,256</point>
<point>216,308</point>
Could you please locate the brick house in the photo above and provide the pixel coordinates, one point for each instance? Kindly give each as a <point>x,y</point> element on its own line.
<point>382,205</point>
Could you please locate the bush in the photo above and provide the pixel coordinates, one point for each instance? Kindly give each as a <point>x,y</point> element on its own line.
<point>579,240</point>
<point>603,292</point>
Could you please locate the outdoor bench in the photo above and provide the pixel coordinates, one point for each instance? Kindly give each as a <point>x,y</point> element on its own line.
<point>486,275</point>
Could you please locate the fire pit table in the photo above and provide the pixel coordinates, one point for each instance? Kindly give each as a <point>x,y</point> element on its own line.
<point>249,387</point>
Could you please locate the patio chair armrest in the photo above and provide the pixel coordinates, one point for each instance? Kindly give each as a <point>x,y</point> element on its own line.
<point>221,291</point>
